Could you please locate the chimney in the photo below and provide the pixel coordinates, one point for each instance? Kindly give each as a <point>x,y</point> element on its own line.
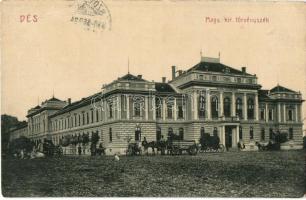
<point>164,79</point>
<point>173,72</point>
<point>243,69</point>
<point>69,101</point>
<point>139,76</point>
<point>180,72</point>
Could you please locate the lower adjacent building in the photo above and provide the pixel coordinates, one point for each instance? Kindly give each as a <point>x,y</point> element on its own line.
<point>209,97</point>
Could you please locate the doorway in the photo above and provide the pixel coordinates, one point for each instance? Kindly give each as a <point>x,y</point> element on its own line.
<point>228,137</point>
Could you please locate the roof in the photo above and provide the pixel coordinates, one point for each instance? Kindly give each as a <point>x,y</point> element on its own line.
<point>53,99</point>
<point>130,77</point>
<point>279,88</point>
<point>77,104</point>
<point>37,107</point>
<point>216,67</point>
<point>20,125</point>
<point>163,87</point>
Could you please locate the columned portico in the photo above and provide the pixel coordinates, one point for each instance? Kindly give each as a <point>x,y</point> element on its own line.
<point>229,135</point>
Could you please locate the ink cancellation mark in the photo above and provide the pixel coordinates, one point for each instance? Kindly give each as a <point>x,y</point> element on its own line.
<point>93,15</point>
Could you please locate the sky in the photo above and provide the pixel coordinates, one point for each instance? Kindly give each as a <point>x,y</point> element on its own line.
<point>55,55</point>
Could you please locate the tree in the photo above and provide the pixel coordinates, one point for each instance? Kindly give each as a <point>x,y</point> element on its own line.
<point>22,143</point>
<point>7,122</point>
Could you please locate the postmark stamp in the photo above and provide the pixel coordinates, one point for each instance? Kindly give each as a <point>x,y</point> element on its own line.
<point>93,15</point>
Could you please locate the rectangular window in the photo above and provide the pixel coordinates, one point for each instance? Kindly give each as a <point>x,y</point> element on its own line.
<point>92,116</point>
<point>110,135</point>
<point>262,114</point>
<point>169,111</point>
<point>262,134</point>
<point>87,118</point>
<point>97,115</point>
<point>180,112</point>
<point>201,77</point>
<point>83,118</point>
<point>110,111</point>
<point>270,114</point>
<point>290,118</point>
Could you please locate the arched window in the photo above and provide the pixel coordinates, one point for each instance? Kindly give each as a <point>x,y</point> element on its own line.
<point>181,133</point>
<point>202,131</point>
<point>290,133</point>
<point>136,109</point>
<point>158,133</point>
<point>158,105</point>
<point>250,108</point>
<point>169,111</point>
<point>251,133</point>
<point>202,102</point>
<point>214,107</point>
<point>263,135</point>
<point>227,107</point>
<point>239,108</point>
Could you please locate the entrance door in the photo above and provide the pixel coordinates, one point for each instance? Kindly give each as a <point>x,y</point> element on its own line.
<point>228,137</point>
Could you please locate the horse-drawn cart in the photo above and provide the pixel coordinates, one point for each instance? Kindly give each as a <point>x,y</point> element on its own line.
<point>176,147</point>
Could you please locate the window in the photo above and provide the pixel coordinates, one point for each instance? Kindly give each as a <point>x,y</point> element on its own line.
<point>271,134</point>
<point>240,132</point>
<point>290,115</point>
<point>201,77</point>
<point>87,118</point>
<point>227,107</point>
<point>110,110</point>
<point>251,133</point>
<point>92,116</point>
<point>215,132</point>
<point>169,111</point>
<point>83,118</point>
<point>110,135</point>
<point>180,112</point>
<point>79,120</point>
<point>290,133</point>
<point>250,109</point>
<point>137,109</point>
<point>158,133</point>
<point>202,132</point>
<point>239,80</point>
<point>214,107</point>
<point>262,114</point>
<point>214,78</point>
<point>239,107</point>
<point>202,106</point>
<point>181,134</point>
<point>262,136</point>
<point>97,115</point>
<point>158,105</point>
<point>270,114</point>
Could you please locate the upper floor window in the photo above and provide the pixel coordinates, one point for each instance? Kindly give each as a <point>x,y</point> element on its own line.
<point>87,118</point>
<point>97,115</point>
<point>110,106</point>
<point>290,116</point>
<point>262,114</point>
<point>83,118</point>
<point>136,109</point>
<point>250,108</point>
<point>202,102</point>
<point>227,107</point>
<point>239,107</point>
<point>92,115</point>
<point>180,111</point>
<point>214,107</point>
<point>158,105</point>
<point>239,80</point>
<point>201,77</point>
<point>214,78</point>
<point>169,111</point>
<point>270,114</point>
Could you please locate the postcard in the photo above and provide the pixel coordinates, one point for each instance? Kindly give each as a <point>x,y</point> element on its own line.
<point>165,98</point>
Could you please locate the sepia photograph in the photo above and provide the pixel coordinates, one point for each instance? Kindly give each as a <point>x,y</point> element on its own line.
<point>165,98</point>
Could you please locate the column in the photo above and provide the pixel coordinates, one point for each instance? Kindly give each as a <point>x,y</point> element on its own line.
<point>284,112</point>
<point>245,113</point>
<point>127,107</point>
<point>221,104</point>
<point>153,107</point>
<point>233,104</point>
<point>256,107</point>
<point>296,113</point>
<point>266,113</point>
<point>279,112</point>
<point>174,110</point>
<point>208,105</point>
<point>237,134</point>
<point>164,109</point>
<point>146,108</point>
<point>119,106</point>
<point>195,105</point>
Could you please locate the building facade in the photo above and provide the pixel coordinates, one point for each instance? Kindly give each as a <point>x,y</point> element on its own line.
<point>210,97</point>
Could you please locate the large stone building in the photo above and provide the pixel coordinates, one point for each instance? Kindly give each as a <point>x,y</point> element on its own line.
<point>210,97</point>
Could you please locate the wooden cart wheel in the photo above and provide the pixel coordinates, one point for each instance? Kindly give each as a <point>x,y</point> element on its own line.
<point>192,150</point>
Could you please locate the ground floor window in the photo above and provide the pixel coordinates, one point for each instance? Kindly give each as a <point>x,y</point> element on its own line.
<point>240,132</point>
<point>271,133</point>
<point>290,133</point>
<point>110,135</point>
<point>158,133</point>
<point>262,134</point>
<point>251,133</point>
<point>181,133</point>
